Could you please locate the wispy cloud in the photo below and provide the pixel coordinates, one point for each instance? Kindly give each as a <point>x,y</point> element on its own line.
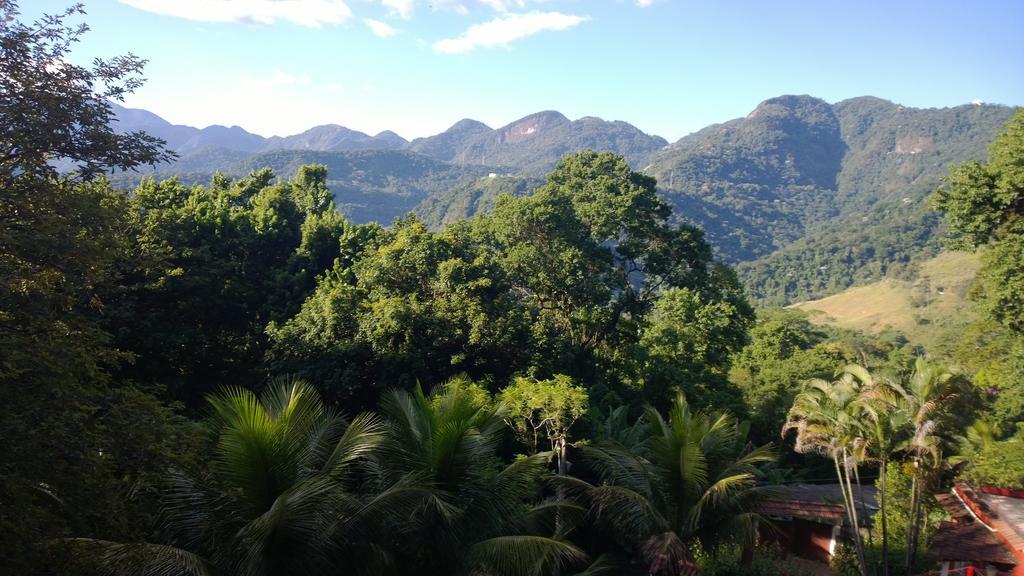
<point>401,8</point>
<point>382,29</point>
<point>644,3</point>
<point>310,13</point>
<point>456,6</point>
<point>506,29</point>
<point>504,5</point>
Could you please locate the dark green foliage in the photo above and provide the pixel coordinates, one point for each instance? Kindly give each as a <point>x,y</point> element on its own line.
<point>290,491</point>
<point>413,305</point>
<point>366,185</point>
<point>688,344</point>
<point>471,198</point>
<point>690,483</point>
<point>984,206</point>
<point>557,282</point>
<point>294,488</point>
<point>785,351</point>
<point>214,264</point>
<point>999,464</point>
<point>995,357</point>
<point>81,453</point>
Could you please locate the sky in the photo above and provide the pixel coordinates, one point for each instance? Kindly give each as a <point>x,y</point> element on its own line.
<point>669,67</point>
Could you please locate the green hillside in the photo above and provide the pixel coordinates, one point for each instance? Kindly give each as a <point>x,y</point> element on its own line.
<point>928,305</point>
<point>806,198</point>
<point>471,197</point>
<point>810,198</point>
<point>368,185</point>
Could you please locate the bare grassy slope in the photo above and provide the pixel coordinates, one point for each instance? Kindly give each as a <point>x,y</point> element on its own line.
<point>926,309</point>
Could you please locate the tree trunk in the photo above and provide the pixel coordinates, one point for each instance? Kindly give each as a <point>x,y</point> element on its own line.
<point>885,521</point>
<point>562,456</point>
<point>921,485</point>
<point>562,461</point>
<point>851,511</point>
<point>863,506</point>
<point>858,541</point>
<point>909,559</point>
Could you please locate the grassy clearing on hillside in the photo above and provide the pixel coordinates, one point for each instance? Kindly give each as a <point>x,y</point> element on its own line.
<point>927,309</point>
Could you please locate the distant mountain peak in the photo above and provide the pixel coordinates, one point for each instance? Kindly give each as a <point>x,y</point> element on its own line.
<point>469,125</point>
<point>529,126</point>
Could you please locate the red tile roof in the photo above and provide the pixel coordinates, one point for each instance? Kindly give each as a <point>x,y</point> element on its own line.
<point>816,502</point>
<point>968,542</point>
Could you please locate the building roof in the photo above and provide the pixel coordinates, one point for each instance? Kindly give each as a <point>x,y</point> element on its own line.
<point>816,502</point>
<point>968,542</point>
<point>1006,515</point>
<point>984,527</point>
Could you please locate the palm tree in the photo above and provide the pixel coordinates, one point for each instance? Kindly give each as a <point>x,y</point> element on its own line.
<point>827,421</point>
<point>930,390</point>
<point>291,490</point>
<point>486,517</point>
<point>690,480</point>
<point>886,417</point>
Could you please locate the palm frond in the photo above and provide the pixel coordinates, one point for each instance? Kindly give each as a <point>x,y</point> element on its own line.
<point>361,438</point>
<point>522,556</point>
<point>115,559</point>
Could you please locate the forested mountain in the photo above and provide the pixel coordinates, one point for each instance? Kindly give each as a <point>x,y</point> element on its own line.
<point>367,185</point>
<point>531,145</point>
<point>812,197</point>
<point>471,197</point>
<point>534,144</point>
<point>222,373</point>
<point>807,197</point>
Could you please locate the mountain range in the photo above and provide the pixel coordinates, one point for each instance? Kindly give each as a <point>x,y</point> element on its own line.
<point>804,196</point>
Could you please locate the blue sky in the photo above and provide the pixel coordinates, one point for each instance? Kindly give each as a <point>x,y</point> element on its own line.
<point>668,66</point>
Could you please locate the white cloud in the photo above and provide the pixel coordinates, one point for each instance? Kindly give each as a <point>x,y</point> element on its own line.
<point>504,5</point>
<point>401,8</point>
<point>506,29</point>
<point>510,5</point>
<point>644,3</point>
<point>281,78</point>
<point>449,6</point>
<point>310,13</point>
<point>382,29</point>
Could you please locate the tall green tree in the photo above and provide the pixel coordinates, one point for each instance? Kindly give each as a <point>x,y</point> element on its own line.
<point>292,489</point>
<point>408,305</point>
<point>213,266</point>
<point>589,253</point>
<point>691,480</point>
<point>488,517</point>
<point>55,110</point>
<point>784,352</point>
<point>827,419</point>
<point>984,206</point>
<point>546,409</point>
<point>66,465</point>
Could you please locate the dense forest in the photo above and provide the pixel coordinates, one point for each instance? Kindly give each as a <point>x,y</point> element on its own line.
<point>806,197</point>
<point>234,376</point>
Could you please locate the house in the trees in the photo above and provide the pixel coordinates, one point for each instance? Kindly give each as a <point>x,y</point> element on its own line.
<point>984,534</point>
<point>810,520</point>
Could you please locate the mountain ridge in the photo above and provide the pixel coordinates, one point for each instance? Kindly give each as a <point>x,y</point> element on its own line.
<point>805,197</point>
